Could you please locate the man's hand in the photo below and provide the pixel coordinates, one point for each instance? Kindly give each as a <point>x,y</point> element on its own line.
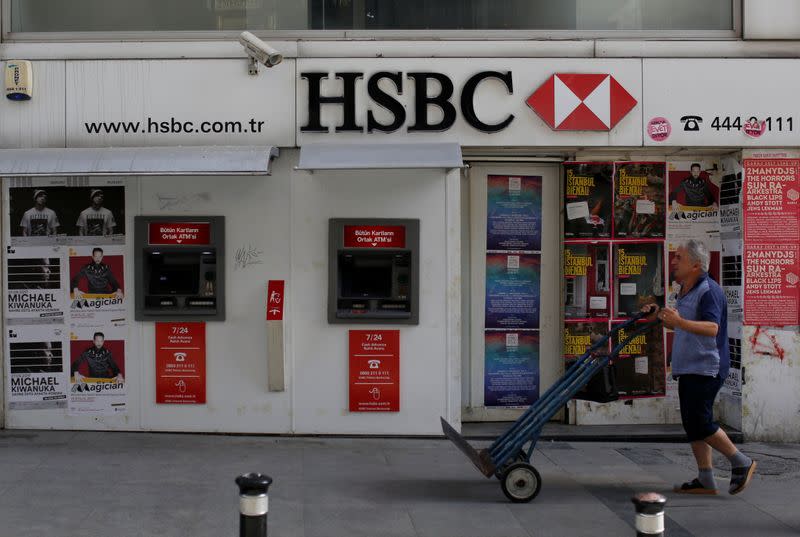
<point>651,310</point>
<point>77,293</point>
<point>78,378</point>
<point>670,317</point>
<point>118,293</point>
<point>119,380</point>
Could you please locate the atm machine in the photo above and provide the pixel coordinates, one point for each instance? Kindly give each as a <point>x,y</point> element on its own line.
<point>373,271</point>
<point>180,269</point>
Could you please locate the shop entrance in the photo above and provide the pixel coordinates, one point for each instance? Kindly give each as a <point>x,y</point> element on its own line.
<point>511,287</point>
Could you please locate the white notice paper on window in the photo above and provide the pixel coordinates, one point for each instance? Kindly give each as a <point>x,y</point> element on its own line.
<point>627,289</point>
<point>641,365</point>
<point>645,207</point>
<point>578,209</point>
<point>597,302</point>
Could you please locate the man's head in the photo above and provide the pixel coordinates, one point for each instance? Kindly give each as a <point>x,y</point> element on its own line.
<point>40,198</point>
<point>96,196</point>
<point>97,255</point>
<point>690,261</point>
<point>695,170</point>
<point>99,338</point>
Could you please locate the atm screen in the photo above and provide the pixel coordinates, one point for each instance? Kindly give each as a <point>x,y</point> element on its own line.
<point>175,280</point>
<point>366,277</point>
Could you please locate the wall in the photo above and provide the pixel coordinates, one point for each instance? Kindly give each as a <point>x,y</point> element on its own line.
<point>320,368</point>
<point>771,388</point>
<point>771,19</point>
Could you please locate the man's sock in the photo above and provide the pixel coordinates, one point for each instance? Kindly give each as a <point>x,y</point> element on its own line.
<point>739,460</point>
<point>706,478</point>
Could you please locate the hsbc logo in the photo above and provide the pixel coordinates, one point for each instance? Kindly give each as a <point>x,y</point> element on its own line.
<point>565,102</point>
<point>581,102</point>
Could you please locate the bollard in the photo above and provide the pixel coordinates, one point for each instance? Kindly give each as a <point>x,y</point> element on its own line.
<point>649,514</point>
<point>253,504</point>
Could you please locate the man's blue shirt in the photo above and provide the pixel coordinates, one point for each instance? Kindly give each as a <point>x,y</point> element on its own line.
<point>693,354</point>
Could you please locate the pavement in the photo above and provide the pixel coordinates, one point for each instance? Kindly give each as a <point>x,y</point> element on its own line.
<point>93,484</point>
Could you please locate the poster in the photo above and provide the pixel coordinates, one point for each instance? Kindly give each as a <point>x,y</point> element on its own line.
<point>588,199</point>
<point>97,371</point>
<point>770,201</point>
<point>579,336</point>
<point>638,276</point>
<point>512,291</point>
<point>694,201</point>
<point>181,363</point>
<point>35,286</point>
<point>640,365</point>
<point>64,287</point>
<point>96,285</point>
<point>771,276</point>
<point>37,377</point>
<point>730,208</point>
<point>733,382</point>
<point>587,286</point>
<point>511,373</point>
<point>374,370</point>
<point>714,272</point>
<point>52,214</point>
<point>639,200</point>
<point>514,213</point>
<point>732,278</point>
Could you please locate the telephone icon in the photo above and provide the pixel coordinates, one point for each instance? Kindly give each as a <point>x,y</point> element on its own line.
<point>691,123</point>
<point>374,364</point>
<point>180,356</point>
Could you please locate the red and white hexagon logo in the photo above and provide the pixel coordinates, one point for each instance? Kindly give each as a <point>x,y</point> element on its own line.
<point>581,102</point>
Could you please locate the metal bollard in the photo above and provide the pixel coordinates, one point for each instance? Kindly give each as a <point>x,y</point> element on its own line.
<point>253,504</point>
<point>649,514</point>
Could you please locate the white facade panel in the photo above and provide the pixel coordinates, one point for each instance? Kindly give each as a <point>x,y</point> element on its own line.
<point>321,349</point>
<point>771,19</point>
<point>157,101</point>
<point>724,95</point>
<point>493,102</point>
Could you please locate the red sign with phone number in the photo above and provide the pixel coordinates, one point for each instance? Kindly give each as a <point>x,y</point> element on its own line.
<point>181,363</point>
<point>374,370</point>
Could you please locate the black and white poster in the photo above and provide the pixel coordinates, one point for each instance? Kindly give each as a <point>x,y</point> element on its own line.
<point>74,215</point>
<point>36,358</point>
<point>35,287</point>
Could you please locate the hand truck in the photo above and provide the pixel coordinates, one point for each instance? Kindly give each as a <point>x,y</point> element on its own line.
<point>507,458</point>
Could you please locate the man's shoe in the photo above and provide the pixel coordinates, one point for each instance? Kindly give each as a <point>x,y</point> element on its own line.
<point>694,487</point>
<point>740,478</point>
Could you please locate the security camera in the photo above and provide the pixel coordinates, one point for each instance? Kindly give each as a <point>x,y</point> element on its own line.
<point>258,51</point>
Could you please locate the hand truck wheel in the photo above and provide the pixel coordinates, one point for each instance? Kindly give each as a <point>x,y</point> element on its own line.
<point>521,482</point>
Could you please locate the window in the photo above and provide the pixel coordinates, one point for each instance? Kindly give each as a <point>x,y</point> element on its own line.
<point>671,16</point>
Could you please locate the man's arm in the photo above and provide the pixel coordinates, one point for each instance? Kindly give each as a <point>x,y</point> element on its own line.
<point>77,279</point>
<point>110,223</point>
<point>112,280</point>
<point>24,224</point>
<point>53,224</point>
<point>77,363</point>
<point>709,312</point>
<point>113,365</point>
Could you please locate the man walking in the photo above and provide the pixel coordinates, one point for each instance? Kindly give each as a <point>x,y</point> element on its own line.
<point>700,362</point>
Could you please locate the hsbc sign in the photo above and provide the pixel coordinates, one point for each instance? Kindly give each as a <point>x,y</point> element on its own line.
<point>515,102</point>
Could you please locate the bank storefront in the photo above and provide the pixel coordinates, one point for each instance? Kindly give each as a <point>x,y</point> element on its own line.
<point>360,245</point>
